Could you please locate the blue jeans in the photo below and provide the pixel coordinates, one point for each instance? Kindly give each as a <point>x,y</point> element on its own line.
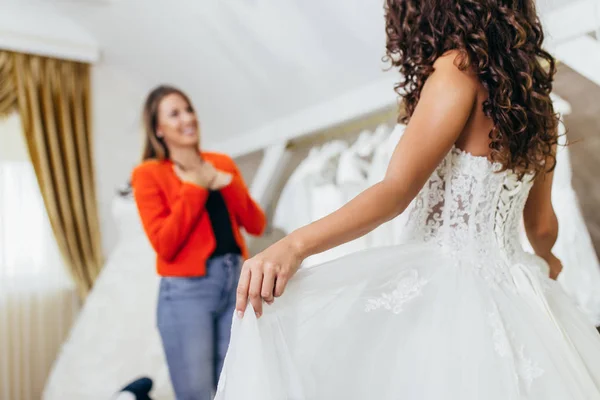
<point>194,319</point>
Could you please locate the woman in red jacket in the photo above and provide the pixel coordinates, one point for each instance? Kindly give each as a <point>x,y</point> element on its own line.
<point>192,204</point>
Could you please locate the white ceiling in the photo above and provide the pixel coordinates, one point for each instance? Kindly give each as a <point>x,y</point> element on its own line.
<point>245,63</point>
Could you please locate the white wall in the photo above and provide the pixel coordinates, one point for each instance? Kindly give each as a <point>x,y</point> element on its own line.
<point>117,138</point>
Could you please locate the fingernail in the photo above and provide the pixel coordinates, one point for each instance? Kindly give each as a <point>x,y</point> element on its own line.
<point>258,315</point>
<point>240,314</point>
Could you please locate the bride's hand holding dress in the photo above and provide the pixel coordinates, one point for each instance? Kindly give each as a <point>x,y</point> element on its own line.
<point>265,276</point>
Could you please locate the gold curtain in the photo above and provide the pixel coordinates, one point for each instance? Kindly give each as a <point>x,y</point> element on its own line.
<point>54,104</point>
<point>8,92</point>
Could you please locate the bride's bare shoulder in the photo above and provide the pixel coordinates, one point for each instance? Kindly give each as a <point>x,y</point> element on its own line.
<point>454,65</point>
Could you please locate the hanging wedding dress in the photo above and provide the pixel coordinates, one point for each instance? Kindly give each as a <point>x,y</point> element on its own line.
<point>340,182</point>
<point>115,339</point>
<point>326,180</point>
<point>295,208</point>
<point>310,193</point>
<point>458,312</point>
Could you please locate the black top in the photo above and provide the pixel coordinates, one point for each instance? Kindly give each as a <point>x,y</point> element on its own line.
<point>221,225</point>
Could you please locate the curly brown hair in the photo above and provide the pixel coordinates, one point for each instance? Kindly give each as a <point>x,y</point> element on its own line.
<point>500,41</point>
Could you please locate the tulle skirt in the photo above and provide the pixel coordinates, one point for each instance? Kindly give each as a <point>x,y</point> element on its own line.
<point>413,322</point>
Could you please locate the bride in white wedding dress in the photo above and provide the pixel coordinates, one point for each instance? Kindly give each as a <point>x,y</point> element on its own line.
<point>458,311</point>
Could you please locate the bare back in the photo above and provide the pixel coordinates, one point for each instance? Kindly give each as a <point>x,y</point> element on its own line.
<point>474,138</point>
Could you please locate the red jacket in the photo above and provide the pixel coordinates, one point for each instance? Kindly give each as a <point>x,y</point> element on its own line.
<point>176,221</point>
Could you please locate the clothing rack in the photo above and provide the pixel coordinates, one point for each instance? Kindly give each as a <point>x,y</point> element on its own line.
<point>277,156</point>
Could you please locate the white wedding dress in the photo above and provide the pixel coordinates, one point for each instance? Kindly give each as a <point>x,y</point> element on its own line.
<point>459,311</point>
<point>115,339</point>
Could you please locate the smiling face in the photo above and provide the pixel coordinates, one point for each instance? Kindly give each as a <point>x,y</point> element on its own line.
<point>177,124</point>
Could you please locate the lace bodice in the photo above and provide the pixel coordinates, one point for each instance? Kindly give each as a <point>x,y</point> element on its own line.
<point>470,208</point>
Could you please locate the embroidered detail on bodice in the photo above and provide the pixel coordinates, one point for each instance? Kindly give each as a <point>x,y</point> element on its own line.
<point>469,208</point>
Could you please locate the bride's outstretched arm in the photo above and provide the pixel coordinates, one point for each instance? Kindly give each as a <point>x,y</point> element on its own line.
<point>445,105</point>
